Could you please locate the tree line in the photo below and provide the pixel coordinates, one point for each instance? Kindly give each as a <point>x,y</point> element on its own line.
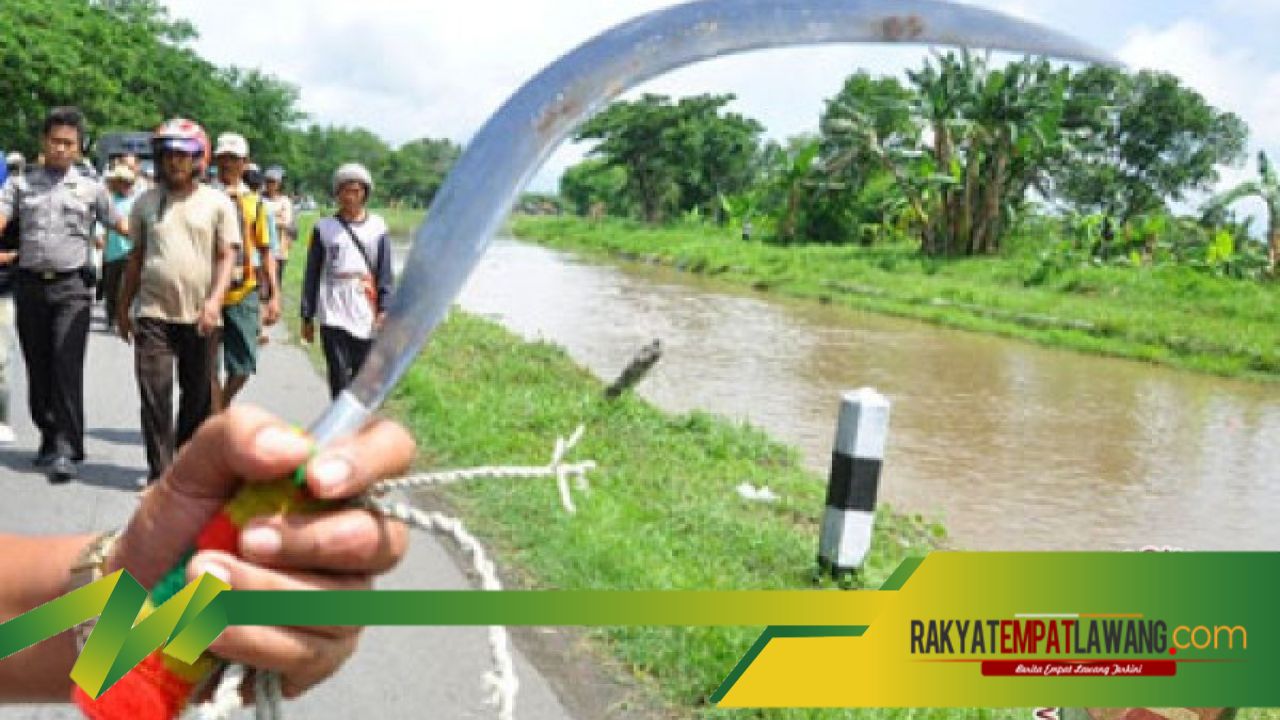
<point>955,159</point>
<point>128,65</point>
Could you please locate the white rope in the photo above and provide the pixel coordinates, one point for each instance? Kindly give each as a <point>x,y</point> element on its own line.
<point>450,477</point>
<point>268,696</point>
<point>501,681</point>
<point>557,468</point>
<point>226,698</point>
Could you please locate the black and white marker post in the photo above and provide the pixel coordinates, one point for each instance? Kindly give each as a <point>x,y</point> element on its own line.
<point>861,433</point>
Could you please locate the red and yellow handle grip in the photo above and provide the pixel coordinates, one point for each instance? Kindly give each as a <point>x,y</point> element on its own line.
<point>160,687</point>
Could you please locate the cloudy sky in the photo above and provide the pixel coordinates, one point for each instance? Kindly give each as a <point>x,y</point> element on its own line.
<point>407,69</point>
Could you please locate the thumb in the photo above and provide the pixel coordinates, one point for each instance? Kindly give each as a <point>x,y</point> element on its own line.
<point>239,446</point>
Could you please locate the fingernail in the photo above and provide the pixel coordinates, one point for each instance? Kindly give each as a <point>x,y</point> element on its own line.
<point>330,472</point>
<point>260,540</point>
<point>217,571</point>
<point>276,440</point>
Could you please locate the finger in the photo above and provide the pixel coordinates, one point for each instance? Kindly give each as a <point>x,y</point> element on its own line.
<point>301,658</point>
<point>349,466</point>
<point>242,442</point>
<point>243,575</point>
<point>343,541</point>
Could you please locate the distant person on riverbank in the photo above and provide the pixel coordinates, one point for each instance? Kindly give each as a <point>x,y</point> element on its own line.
<point>348,277</point>
<point>240,313</point>
<point>185,236</point>
<point>56,205</point>
<point>115,250</point>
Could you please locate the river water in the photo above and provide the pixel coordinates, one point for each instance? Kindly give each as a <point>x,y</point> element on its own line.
<point>1012,446</point>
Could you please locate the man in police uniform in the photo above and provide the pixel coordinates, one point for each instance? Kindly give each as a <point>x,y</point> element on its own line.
<point>56,205</point>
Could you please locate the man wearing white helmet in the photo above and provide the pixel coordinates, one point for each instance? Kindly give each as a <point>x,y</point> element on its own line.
<point>348,277</point>
<point>240,314</point>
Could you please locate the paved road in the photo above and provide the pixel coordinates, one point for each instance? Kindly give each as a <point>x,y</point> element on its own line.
<point>397,673</point>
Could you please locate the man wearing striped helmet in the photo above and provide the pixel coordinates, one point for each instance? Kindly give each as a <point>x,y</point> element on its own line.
<point>185,237</point>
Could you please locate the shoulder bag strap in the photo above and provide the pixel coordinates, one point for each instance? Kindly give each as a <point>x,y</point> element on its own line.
<point>364,253</point>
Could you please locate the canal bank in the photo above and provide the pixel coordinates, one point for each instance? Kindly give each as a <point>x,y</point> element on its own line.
<point>664,511</point>
<point>1012,446</point>
<point>1169,315</point>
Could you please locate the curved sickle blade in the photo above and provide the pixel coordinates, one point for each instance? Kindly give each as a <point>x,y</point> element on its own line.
<point>481,188</point>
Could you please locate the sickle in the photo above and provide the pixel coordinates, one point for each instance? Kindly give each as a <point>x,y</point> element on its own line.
<point>512,145</point>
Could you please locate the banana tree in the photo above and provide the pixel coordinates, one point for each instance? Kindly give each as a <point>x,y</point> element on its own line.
<point>1266,187</point>
<point>795,171</point>
<point>992,134</point>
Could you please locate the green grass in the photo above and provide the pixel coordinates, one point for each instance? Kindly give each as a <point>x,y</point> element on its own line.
<point>662,512</point>
<point>402,222</point>
<point>1166,314</point>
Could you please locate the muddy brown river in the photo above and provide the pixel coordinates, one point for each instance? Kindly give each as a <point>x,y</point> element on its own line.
<point>1012,446</point>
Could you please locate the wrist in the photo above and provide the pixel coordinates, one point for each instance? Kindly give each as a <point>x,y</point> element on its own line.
<point>95,561</point>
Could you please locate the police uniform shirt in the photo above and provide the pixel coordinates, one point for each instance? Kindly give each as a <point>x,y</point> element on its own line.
<point>56,212</point>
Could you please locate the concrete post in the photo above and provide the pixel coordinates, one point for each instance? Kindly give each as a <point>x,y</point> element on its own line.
<point>854,483</point>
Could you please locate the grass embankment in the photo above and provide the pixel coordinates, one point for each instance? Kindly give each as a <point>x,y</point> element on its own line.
<point>1165,314</point>
<point>662,512</point>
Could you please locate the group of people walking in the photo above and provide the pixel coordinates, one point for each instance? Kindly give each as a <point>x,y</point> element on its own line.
<point>191,274</point>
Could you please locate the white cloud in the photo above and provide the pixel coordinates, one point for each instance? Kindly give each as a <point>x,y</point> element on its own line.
<point>405,69</point>
<point>410,69</point>
<point>1260,9</point>
<point>1229,76</point>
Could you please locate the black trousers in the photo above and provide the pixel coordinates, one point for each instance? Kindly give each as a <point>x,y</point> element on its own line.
<point>53,329</point>
<point>112,282</point>
<point>158,345</point>
<point>344,353</point>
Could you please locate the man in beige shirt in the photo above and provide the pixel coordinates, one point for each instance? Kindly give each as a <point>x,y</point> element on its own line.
<point>185,236</point>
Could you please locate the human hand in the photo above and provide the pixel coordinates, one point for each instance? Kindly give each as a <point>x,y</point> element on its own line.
<point>272,314</point>
<point>124,324</point>
<point>308,332</point>
<point>8,257</point>
<point>210,316</point>
<point>341,549</point>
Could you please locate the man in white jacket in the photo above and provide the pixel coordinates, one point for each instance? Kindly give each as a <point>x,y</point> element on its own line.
<point>348,278</point>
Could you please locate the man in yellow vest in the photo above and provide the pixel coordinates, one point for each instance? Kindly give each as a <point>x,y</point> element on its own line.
<point>240,321</point>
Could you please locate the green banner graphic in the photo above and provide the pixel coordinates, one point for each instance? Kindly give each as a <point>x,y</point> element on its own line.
<point>993,629</point>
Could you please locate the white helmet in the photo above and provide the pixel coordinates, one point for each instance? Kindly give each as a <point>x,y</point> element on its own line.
<point>353,172</point>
